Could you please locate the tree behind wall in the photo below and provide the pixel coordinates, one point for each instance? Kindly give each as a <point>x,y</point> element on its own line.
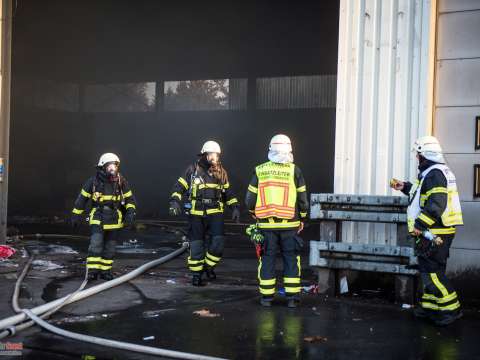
<point>197,95</point>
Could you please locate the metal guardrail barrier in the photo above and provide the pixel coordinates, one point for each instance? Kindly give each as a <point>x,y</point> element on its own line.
<point>330,254</point>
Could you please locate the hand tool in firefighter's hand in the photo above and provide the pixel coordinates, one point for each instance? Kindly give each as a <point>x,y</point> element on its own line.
<point>438,241</point>
<point>396,184</point>
<point>427,243</point>
<point>257,238</point>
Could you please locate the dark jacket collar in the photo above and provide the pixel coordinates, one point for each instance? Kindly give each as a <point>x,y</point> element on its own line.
<point>203,163</point>
<point>104,177</point>
<point>424,165</point>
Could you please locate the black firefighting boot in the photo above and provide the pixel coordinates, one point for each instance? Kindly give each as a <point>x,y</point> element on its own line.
<point>210,273</point>
<point>197,279</point>
<point>106,275</point>
<point>292,302</point>
<point>92,274</point>
<point>448,317</point>
<point>266,301</point>
<point>421,313</point>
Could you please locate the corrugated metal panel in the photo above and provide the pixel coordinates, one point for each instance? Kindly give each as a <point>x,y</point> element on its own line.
<point>297,92</point>
<point>381,99</point>
<point>237,94</point>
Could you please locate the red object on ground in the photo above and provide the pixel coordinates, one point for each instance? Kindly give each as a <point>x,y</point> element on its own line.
<point>6,251</point>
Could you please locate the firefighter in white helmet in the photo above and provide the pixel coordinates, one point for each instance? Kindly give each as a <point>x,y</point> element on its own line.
<point>112,207</point>
<point>205,190</point>
<point>433,214</point>
<point>277,199</point>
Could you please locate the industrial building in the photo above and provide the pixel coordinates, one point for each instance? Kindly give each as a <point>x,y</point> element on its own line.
<point>352,82</point>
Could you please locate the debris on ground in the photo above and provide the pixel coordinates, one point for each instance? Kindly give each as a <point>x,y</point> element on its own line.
<point>316,338</point>
<point>60,249</point>
<point>6,251</point>
<point>8,263</point>
<point>312,289</point>
<point>155,313</point>
<point>45,265</point>
<point>205,313</point>
<point>140,226</point>
<point>51,249</point>
<point>371,292</point>
<point>149,338</point>
<point>76,319</point>
<point>343,285</point>
<point>171,281</point>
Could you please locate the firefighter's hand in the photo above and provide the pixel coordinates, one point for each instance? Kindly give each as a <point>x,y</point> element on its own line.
<point>300,228</point>
<point>130,219</point>
<point>175,208</point>
<point>76,220</point>
<point>236,214</point>
<point>416,232</point>
<point>397,184</point>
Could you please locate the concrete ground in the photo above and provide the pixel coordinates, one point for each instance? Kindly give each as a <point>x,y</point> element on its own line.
<point>157,309</point>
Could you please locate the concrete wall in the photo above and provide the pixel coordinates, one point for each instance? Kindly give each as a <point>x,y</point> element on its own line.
<point>457,104</point>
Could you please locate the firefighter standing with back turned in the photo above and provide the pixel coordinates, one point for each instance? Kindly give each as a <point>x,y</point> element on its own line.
<point>277,198</point>
<point>433,213</point>
<point>112,207</point>
<point>206,188</point>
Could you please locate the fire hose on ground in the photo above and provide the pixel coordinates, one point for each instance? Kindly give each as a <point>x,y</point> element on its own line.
<point>16,323</point>
<point>16,307</point>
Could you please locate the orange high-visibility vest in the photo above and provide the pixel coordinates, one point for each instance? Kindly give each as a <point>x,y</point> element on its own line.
<point>277,194</point>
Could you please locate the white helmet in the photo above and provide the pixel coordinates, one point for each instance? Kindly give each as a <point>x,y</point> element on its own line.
<point>280,143</point>
<point>211,147</point>
<point>429,148</point>
<point>108,157</point>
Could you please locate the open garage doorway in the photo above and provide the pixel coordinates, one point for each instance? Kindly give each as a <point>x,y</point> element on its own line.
<point>152,80</point>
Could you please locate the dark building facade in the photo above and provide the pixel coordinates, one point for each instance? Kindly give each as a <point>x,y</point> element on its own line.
<point>152,80</point>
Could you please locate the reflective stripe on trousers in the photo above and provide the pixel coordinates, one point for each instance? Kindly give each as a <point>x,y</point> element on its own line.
<point>99,263</point>
<point>286,242</point>
<point>438,293</point>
